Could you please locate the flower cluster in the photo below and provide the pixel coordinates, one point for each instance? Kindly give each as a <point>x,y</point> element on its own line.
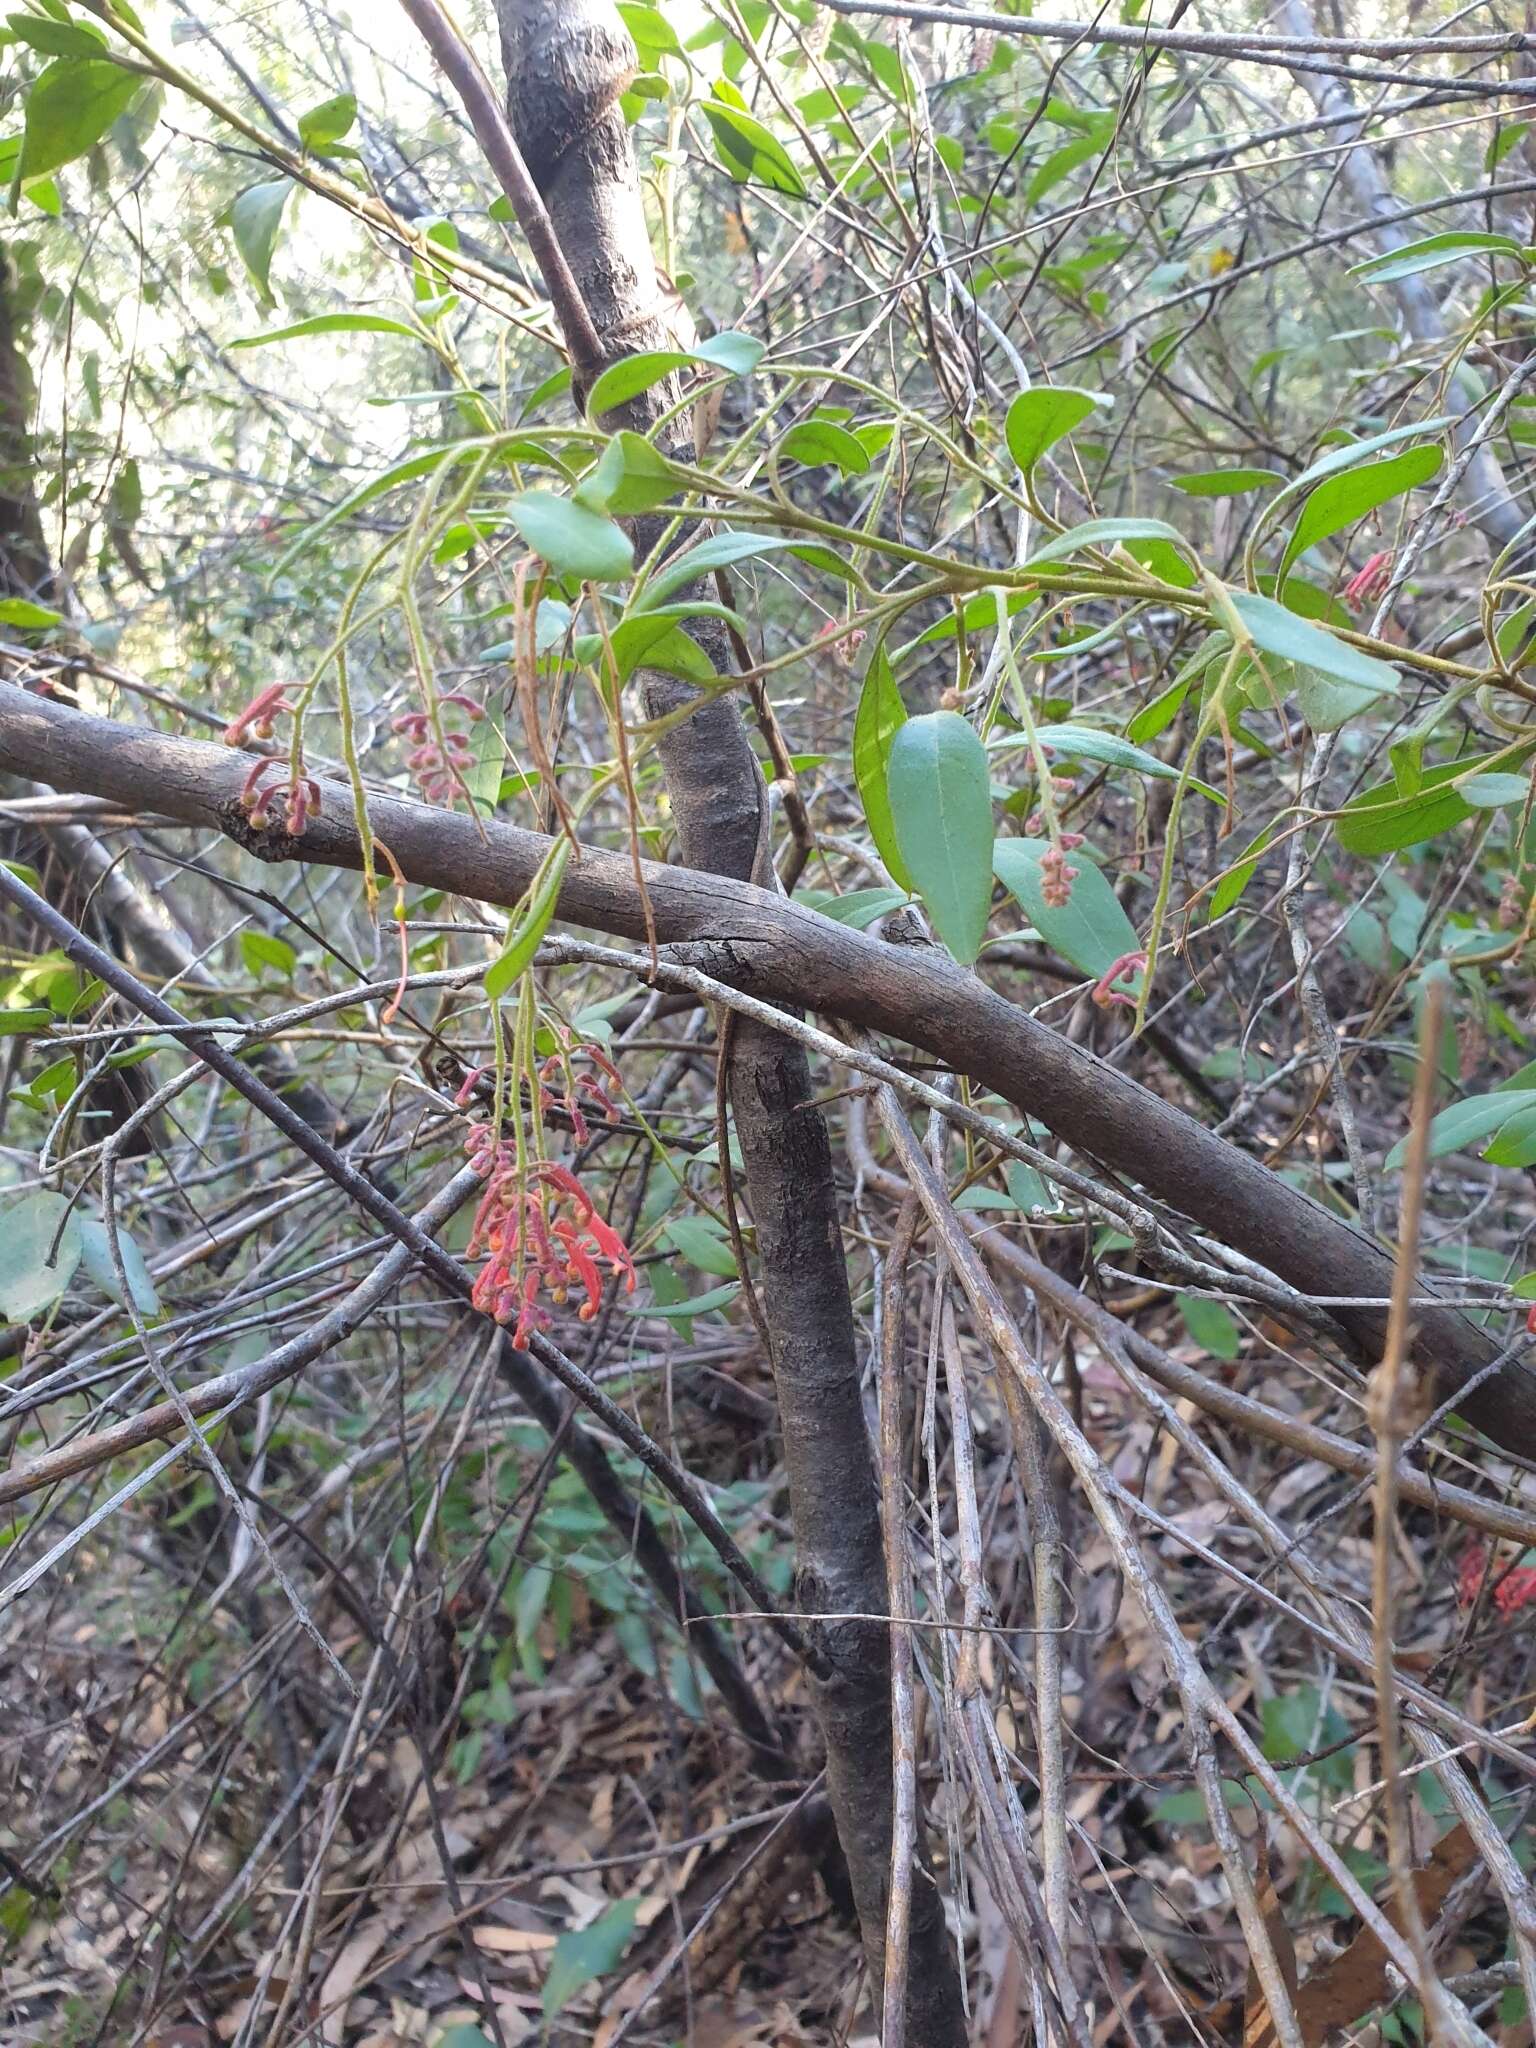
<point>541,1231</point>
<point>256,720</point>
<point>1516,1589</point>
<point>579,1089</point>
<point>1367,584</point>
<point>440,755</point>
<point>1056,876</point>
<point>300,799</point>
<point>1105,994</point>
<point>1512,902</point>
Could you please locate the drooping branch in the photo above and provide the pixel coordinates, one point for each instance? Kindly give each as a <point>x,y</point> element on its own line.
<point>777,949</point>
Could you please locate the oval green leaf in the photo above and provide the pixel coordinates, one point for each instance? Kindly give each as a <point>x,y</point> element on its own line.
<point>942,807</point>
<point>572,539</point>
<point>1039,417</point>
<point>880,716</point>
<point>29,1283</point>
<point>1091,929</point>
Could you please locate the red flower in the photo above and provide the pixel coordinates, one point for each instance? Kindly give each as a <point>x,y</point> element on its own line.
<point>532,1242</point>
<point>1368,583</point>
<point>257,716</point>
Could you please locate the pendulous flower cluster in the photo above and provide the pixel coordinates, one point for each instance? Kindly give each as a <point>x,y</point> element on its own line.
<point>298,798</point>
<point>582,1091</point>
<point>439,759</point>
<point>542,1232</point>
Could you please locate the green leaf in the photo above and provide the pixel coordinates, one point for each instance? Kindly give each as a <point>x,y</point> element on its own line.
<point>1356,451</point>
<point>125,502</point>
<point>735,353</point>
<point>730,350</point>
<point>1342,501</point>
<point>749,152</point>
<point>651,640</point>
<point>1060,163</point>
<point>579,1958</point>
<point>96,1255</point>
<point>627,378</point>
<point>653,34</point>
<point>22,1023</point>
<point>1515,1144</point>
<point>1430,253</point>
<point>703,1245</point>
<point>719,551</point>
<point>1275,630</point>
<point>254,220</point>
<point>330,323</point>
<point>685,1311</point>
<point>261,949</point>
<point>1466,1123</point>
<point>631,476</point>
<point>328,122</point>
<point>1157,716</point>
<point>1212,1327</point>
<point>1296,1723</point>
<point>376,487</point>
<point>1086,743</point>
<point>1494,792</point>
<point>523,940</point>
<point>1239,875</point>
<point>70,106</point>
<point>28,1282</point>
<point>1224,483</point>
<point>880,716</point>
<point>57,38</point>
<point>941,803</point>
<point>1091,929</point>
<point>1381,820</point>
<point>817,442</point>
<point>484,771</point>
<point>573,540</point>
<point>856,908</point>
<point>1039,417</point>
<point>1030,1191</point>
<point>1106,534</point>
<point>33,618</point>
<point>1324,703</point>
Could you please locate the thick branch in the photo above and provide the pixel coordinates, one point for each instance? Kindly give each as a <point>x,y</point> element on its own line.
<point>777,949</point>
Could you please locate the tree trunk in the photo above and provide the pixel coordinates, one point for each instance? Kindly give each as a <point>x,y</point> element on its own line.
<point>567,63</point>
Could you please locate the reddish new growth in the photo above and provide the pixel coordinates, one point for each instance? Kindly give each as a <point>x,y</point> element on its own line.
<point>1105,994</point>
<point>438,763</point>
<point>300,799</point>
<point>578,1087</point>
<point>1367,584</point>
<point>541,1231</point>
<point>255,721</point>
<point>1516,1589</point>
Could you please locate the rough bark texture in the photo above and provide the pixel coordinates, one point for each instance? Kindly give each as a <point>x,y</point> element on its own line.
<point>567,63</point>
<point>26,569</point>
<point>776,949</point>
